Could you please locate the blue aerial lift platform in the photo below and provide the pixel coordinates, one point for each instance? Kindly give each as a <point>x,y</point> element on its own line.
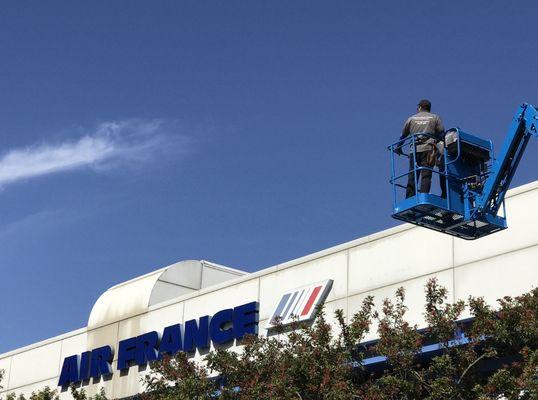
<point>476,182</point>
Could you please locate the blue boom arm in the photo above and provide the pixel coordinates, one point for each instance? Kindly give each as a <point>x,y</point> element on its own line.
<point>524,125</point>
<point>474,183</point>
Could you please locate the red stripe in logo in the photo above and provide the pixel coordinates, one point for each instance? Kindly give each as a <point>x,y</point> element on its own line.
<point>310,301</point>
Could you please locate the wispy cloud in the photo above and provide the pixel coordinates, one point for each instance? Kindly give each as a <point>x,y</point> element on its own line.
<point>40,220</point>
<point>109,145</point>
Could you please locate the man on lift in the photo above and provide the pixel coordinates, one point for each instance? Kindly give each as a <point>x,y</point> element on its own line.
<point>424,121</point>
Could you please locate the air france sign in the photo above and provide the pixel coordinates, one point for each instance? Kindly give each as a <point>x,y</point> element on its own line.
<point>300,304</point>
<point>223,327</point>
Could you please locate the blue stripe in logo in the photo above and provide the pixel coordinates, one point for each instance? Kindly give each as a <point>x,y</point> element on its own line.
<point>285,315</point>
<point>295,311</point>
<point>280,307</point>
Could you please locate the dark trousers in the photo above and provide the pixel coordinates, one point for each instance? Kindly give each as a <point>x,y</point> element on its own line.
<point>442,179</point>
<point>424,176</point>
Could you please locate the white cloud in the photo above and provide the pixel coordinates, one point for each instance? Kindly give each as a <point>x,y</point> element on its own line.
<point>111,144</point>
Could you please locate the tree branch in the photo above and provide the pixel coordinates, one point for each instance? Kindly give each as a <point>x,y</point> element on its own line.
<point>470,366</point>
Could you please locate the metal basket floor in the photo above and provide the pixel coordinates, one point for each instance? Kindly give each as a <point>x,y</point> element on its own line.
<point>442,220</point>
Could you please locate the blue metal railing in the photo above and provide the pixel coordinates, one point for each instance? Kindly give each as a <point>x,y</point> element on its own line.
<point>411,142</point>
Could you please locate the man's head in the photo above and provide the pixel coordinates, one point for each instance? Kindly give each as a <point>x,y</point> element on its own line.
<point>424,105</point>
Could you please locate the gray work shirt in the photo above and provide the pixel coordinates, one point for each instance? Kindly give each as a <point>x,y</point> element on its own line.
<point>423,122</point>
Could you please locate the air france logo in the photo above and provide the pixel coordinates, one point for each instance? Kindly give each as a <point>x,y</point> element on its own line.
<point>223,327</point>
<point>300,304</point>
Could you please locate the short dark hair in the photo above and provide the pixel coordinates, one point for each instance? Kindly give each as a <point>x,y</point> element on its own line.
<point>425,104</point>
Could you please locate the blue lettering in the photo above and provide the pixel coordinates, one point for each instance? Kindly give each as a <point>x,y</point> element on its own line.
<point>100,362</point>
<point>126,353</point>
<point>245,320</point>
<point>146,347</point>
<point>219,321</point>
<point>171,340</point>
<point>85,365</point>
<point>69,372</point>
<point>225,326</point>
<point>196,335</point>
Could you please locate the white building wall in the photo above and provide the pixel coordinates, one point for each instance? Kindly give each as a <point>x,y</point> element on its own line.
<point>505,263</point>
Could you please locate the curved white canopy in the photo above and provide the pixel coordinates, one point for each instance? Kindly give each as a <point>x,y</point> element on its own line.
<point>136,295</point>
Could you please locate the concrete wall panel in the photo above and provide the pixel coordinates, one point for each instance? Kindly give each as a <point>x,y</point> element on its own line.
<point>505,275</point>
<point>160,318</point>
<point>398,257</point>
<point>73,345</point>
<point>106,335</point>
<point>414,299</point>
<point>35,365</point>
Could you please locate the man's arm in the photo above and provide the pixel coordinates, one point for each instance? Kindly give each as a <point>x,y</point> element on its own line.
<point>405,133</point>
<point>405,130</point>
<point>439,128</point>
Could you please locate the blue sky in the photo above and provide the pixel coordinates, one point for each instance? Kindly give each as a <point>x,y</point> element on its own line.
<point>136,134</point>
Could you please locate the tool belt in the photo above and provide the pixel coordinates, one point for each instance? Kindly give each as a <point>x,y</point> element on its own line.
<point>433,155</point>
